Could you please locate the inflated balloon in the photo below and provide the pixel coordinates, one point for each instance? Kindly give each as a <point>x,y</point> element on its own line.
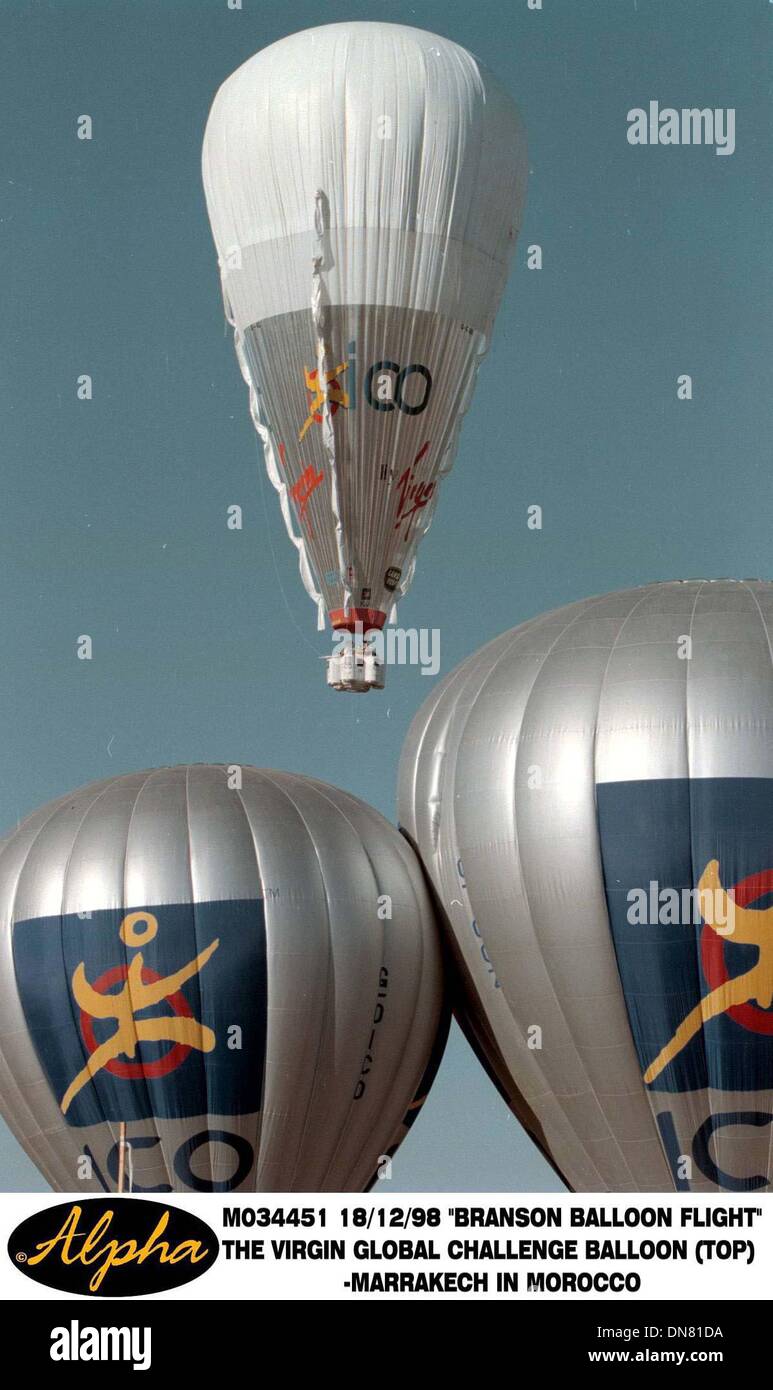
<point>592,795</point>
<point>365,184</point>
<point>214,980</point>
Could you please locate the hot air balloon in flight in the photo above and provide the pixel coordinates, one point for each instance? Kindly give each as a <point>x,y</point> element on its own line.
<point>592,795</point>
<point>214,979</point>
<point>365,184</point>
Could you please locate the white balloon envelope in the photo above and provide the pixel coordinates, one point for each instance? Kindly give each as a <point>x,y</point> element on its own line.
<point>365,184</point>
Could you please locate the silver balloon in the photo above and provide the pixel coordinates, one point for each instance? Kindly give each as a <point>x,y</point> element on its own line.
<point>235,970</point>
<point>592,795</point>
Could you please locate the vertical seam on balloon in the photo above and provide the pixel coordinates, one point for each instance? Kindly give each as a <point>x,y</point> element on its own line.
<point>106,789</point>
<point>690,822</point>
<point>261,889</point>
<point>284,791</point>
<point>420,981</point>
<point>765,629</point>
<point>520,634</point>
<point>42,1134</point>
<point>768,638</point>
<point>200,1056</point>
<point>702,1044</point>
<point>357,834</point>
<point>580,1060</point>
<point>151,1120</point>
<point>648,593</point>
<point>454,731</point>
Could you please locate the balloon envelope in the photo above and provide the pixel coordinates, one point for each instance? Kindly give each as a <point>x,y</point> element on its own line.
<point>365,184</point>
<point>245,975</point>
<point>592,795</point>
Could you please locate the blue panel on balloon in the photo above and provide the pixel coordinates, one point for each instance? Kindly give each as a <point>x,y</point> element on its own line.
<point>160,1011</point>
<point>676,853</point>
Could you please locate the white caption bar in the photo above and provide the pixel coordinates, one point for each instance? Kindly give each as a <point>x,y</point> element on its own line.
<point>446,1245</point>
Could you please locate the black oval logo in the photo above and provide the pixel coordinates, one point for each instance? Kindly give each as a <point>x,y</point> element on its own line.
<point>113,1247</point>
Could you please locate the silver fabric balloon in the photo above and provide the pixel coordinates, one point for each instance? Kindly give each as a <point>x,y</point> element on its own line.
<point>240,966</point>
<point>592,795</point>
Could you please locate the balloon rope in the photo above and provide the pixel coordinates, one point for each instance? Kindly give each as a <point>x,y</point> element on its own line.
<point>122,1147</point>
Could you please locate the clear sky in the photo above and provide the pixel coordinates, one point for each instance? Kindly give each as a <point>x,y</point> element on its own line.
<point>656,263</point>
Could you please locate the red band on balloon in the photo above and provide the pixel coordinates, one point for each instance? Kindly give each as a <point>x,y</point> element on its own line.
<point>347,618</point>
<point>133,1071</point>
<point>748,1015</point>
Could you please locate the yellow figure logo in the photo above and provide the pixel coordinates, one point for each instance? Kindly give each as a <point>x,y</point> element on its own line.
<point>748,927</point>
<point>136,994</point>
<point>331,391</point>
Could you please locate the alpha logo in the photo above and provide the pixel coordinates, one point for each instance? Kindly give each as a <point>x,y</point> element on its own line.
<point>130,1012</point>
<point>329,390</point>
<point>113,1247</point>
<point>699,993</point>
